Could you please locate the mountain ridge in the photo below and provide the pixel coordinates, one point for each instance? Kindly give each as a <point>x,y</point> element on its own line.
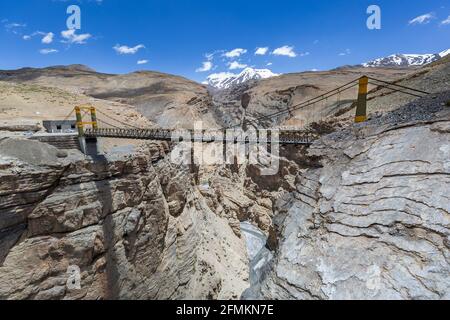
<point>226,80</point>
<point>406,60</point>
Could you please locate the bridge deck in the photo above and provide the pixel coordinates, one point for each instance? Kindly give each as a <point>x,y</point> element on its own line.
<point>283,138</point>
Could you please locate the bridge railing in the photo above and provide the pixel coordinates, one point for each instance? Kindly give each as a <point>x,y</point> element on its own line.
<point>283,137</point>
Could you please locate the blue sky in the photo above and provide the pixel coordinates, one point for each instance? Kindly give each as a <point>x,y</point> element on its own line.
<point>174,36</point>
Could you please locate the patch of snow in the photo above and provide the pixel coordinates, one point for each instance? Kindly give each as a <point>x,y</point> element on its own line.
<point>407,60</point>
<point>444,53</point>
<point>225,80</point>
<point>259,256</point>
<point>254,238</point>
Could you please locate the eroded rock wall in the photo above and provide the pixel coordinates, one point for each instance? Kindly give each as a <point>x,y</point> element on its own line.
<point>131,233</point>
<point>374,222</point>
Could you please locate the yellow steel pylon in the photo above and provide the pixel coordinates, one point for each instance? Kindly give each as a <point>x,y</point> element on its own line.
<point>361,109</point>
<point>81,123</point>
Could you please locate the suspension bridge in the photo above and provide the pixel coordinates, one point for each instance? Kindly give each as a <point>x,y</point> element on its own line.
<point>100,126</point>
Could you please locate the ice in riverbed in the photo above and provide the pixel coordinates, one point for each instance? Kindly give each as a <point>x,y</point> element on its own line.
<point>259,255</point>
<point>255,239</point>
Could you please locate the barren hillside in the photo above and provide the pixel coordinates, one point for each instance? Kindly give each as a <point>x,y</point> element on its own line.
<point>171,101</point>
<point>278,93</point>
<point>162,98</point>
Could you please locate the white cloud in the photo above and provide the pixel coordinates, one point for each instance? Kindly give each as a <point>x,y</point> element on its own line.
<point>346,52</point>
<point>70,36</point>
<point>211,55</point>
<point>15,25</point>
<point>47,51</point>
<point>261,51</point>
<point>269,64</point>
<point>128,50</point>
<point>207,65</point>
<point>142,62</point>
<point>446,21</point>
<point>236,65</point>
<point>48,38</point>
<point>423,19</point>
<point>235,53</point>
<point>287,51</point>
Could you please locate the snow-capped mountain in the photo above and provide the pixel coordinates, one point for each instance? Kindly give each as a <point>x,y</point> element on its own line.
<point>444,53</point>
<point>226,80</point>
<point>406,60</point>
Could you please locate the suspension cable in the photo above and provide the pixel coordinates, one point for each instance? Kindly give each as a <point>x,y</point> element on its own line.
<point>392,91</point>
<point>69,115</point>
<point>108,124</point>
<point>309,102</point>
<point>118,121</point>
<point>323,97</point>
<point>398,85</point>
<point>104,122</point>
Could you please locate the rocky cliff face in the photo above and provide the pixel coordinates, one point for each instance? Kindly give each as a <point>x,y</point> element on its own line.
<point>370,220</point>
<point>128,230</point>
<point>374,221</point>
